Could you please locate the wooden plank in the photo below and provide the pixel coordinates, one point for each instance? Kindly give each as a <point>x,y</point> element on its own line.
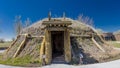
<point>67,46</point>
<point>97,44</point>
<point>42,51</point>
<point>48,51</point>
<point>56,22</point>
<point>20,47</point>
<point>32,35</point>
<point>12,44</point>
<point>37,36</point>
<point>101,39</point>
<point>87,36</point>
<point>57,28</point>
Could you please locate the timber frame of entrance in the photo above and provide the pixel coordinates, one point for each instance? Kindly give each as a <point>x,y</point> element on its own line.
<point>46,48</point>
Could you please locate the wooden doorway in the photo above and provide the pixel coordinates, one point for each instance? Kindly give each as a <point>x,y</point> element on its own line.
<point>57,41</point>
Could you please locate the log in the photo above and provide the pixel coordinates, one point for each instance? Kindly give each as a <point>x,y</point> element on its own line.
<point>37,36</point>
<point>67,47</point>
<point>31,35</point>
<point>42,50</point>
<point>48,49</point>
<point>97,45</point>
<point>83,36</point>
<point>12,44</point>
<point>102,39</point>
<point>20,47</point>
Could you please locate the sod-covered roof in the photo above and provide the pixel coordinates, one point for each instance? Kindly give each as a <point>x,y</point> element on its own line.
<point>90,47</point>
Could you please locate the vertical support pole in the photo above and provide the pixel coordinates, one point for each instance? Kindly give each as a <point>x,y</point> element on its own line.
<point>67,46</point>
<point>42,50</point>
<point>48,50</point>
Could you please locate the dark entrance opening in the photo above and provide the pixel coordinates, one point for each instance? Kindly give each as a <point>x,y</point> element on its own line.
<point>57,41</point>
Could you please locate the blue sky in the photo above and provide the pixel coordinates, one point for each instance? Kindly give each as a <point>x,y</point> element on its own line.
<point>105,13</point>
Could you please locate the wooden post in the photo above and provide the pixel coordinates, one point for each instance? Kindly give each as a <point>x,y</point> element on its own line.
<point>67,46</point>
<point>97,44</point>
<point>42,50</point>
<point>21,46</point>
<point>48,50</point>
<point>12,44</point>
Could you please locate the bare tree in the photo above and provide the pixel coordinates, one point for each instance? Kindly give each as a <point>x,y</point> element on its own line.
<point>86,20</point>
<point>27,22</point>
<point>18,25</point>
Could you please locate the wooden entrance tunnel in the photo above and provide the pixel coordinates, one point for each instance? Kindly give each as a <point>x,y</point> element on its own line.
<point>53,43</point>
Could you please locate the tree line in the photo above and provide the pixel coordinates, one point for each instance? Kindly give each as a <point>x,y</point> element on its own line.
<point>86,20</point>
<point>18,26</point>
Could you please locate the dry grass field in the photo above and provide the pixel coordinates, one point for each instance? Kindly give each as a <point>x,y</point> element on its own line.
<point>114,43</point>
<point>5,44</point>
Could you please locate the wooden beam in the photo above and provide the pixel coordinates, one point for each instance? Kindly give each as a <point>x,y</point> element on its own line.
<point>56,22</point>
<point>33,36</point>
<point>48,49</point>
<point>84,36</point>
<point>20,47</point>
<point>12,44</point>
<point>97,44</point>
<point>67,46</point>
<point>37,36</point>
<point>42,51</point>
<point>57,28</point>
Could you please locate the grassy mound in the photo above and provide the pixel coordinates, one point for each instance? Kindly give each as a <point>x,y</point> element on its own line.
<point>30,53</point>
